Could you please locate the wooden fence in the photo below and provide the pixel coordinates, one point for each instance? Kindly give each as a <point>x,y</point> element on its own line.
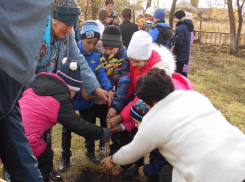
<point>217,38</point>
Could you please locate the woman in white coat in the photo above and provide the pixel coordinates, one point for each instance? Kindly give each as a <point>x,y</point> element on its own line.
<point>193,136</point>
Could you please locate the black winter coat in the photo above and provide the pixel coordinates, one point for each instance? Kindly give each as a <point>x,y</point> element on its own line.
<point>127,29</point>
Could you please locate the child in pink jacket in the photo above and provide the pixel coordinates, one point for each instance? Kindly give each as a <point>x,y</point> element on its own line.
<point>48,102</point>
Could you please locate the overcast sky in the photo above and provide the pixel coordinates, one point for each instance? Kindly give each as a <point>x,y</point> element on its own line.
<point>202,3</point>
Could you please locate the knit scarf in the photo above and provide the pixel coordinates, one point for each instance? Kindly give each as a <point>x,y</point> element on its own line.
<point>48,54</point>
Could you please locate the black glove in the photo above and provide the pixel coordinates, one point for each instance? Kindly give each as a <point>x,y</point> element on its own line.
<point>106,135</point>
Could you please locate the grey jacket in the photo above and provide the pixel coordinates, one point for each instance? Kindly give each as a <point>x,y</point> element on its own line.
<point>68,48</point>
<point>22,26</point>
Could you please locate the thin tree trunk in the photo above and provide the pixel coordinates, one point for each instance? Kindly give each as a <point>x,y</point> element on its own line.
<point>232,28</point>
<point>148,4</point>
<point>240,21</point>
<point>171,17</point>
<point>94,9</point>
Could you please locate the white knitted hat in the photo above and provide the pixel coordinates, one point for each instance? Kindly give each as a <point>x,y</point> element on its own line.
<point>140,46</point>
<point>150,11</point>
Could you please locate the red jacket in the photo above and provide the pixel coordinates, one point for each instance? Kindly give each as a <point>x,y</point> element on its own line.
<point>135,74</point>
<point>179,82</point>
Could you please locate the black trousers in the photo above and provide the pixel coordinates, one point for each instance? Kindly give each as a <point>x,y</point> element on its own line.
<point>179,69</point>
<point>165,174</point>
<point>45,162</point>
<point>151,179</point>
<point>100,111</point>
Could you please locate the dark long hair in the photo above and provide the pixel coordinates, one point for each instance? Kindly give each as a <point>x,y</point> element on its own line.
<point>154,86</point>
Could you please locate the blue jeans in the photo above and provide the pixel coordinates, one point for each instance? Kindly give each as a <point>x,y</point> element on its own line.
<point>15,150</point>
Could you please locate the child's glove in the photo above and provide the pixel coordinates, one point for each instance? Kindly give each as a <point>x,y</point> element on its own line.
<point>106,135</point>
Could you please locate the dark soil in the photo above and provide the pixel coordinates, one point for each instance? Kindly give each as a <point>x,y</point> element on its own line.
<point>89,175</point>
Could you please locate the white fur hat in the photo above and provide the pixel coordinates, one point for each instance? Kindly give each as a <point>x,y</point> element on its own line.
<point>140,46</point>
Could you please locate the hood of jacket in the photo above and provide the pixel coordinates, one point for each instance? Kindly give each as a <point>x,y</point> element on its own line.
<point>166,56</point>
<point>187,22</point>
<point>49,84</point>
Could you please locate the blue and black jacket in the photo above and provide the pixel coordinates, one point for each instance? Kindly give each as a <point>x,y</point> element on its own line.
<point>161,33</point>
<point>122,82</point>
<point>79,103</point>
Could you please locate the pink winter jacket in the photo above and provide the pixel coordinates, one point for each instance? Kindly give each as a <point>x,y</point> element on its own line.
<point>46,103</point>
<point>38,118</point>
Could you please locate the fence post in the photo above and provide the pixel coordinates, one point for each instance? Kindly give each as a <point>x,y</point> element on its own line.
<point>200,27</point>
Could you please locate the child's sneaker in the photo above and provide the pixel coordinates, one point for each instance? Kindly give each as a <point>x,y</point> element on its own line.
<point>102,151</point>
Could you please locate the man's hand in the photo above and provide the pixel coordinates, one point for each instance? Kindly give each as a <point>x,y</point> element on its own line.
<point>116,128</point>
<point>115,120</point>
<point>85,96</point>
<point>103,94</point>
<point>140,170</point>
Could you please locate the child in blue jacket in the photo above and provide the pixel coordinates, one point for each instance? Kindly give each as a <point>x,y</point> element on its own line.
<point>90,36</point>
<point>157,161</point>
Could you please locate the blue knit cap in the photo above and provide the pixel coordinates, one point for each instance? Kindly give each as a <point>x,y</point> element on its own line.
<point>90,29</point>
<point>138,110</point>
<point>66,11</point>
<point>70,73</point>
<point>159,14</point>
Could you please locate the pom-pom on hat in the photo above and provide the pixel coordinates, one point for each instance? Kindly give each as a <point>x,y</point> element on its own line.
<point>66,11</point>
<point>179,14</point>
<point>138,110</point>
<point>70,73</point>
<point>140,46</point>
<point>159,14</point>
<point>112,37</point>
<point>90,30</point>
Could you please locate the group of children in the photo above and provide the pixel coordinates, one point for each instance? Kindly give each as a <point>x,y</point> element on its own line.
<point>140,51</point>
<point>134,53</point>
<point>144,51</point>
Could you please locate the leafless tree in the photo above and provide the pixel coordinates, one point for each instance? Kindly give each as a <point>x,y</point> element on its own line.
<point>171,17</point>
<point>148,4</point>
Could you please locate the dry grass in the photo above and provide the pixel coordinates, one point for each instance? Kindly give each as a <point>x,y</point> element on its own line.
<point>214,73</point>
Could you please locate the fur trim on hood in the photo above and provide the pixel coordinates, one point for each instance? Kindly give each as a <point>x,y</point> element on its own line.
<point>168,59</point>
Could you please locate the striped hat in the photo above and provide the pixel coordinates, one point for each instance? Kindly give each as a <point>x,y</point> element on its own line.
<point>138,110</point>
<point>70,73</point>
<point>112,37</point>
<point>90,30</point>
